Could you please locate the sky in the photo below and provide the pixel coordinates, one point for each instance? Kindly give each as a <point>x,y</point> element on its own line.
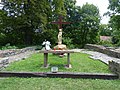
<point>101,4</point>
<point>0,5</point>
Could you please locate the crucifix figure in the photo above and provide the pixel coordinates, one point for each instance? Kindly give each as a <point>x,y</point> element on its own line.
<point>60,22</point>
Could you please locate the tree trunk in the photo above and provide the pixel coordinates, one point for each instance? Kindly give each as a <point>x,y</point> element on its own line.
<point>28,37</point>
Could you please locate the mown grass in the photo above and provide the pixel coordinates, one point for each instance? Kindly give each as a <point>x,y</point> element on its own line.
<point>58,84</point>
<point>80,63</point>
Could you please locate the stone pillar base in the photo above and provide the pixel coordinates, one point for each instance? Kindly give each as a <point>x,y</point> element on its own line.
<point>60,47</point>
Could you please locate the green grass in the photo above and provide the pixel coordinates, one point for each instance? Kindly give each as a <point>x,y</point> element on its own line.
<point>80,63</point>
<point>58,84</point>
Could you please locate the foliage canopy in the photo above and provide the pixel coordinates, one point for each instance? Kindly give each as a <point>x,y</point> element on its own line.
<point>29,22</point>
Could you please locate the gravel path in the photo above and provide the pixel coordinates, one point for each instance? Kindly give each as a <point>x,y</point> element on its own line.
<point>97,55</point>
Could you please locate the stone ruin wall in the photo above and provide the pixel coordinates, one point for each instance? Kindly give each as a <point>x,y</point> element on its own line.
<point>106,50</point>
<point>12,52</point>
<point>114,65</point>
<point>4,54</point>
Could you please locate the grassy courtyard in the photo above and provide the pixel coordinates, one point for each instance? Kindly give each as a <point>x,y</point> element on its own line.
<point>80,63</point>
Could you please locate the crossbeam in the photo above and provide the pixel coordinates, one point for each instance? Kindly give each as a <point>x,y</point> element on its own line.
<point>60,22</point>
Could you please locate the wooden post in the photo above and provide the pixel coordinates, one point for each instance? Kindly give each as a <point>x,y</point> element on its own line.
<point>45,59</point>
<point>68,60</point>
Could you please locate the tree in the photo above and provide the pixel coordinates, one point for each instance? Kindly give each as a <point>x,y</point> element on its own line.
<point>28,21</point>
<point>85,23</point>
<point>25,17</point>
<point>114,7</point>
<point>2,35</point>
<point>105,30</point>
<point>114,23</point>
<point>74,16</point>
<point>90,23</point>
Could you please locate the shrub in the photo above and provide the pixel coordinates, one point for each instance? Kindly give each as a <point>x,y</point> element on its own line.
<point>67,41</point>
<point>8,46</point>
<point>106,43</point>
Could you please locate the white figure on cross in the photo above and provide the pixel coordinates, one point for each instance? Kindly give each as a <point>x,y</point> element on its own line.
<point>60,22</point>
<point>60,37</point>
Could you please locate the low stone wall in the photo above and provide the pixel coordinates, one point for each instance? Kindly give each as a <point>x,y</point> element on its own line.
<point>12,52</point>
<point>3,63</point>
<point>106,50</point>
<point>114,66</point>
<point>8,56</point>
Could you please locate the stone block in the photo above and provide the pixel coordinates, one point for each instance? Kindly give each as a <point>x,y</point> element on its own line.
<point>1,66</point>
<point>4,61</point>
<point>60,47</point>
<point>114,66</point>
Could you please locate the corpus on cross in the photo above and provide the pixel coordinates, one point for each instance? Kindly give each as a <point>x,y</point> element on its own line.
<point>60,22</point>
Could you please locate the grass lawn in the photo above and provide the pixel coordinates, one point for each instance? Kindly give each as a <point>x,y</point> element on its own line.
<point>80,63</point>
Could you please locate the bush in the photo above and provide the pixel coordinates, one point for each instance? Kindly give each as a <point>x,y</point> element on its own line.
<point>67,41</point>
<point>38,47</point>
<point>8,46</point>
<point>2,39</point>
<point>106,43</point>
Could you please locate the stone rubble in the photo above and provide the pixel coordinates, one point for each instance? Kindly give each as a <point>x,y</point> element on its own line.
<point>97,55</point>
<point>6,58</point>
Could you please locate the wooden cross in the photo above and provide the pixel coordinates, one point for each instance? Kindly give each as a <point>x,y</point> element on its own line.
<point>60,22</point>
